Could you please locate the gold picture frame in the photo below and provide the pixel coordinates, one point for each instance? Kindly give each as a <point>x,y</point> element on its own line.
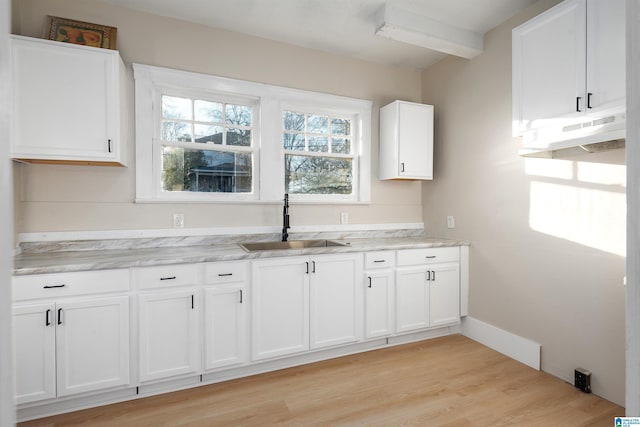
<point>83,33</point>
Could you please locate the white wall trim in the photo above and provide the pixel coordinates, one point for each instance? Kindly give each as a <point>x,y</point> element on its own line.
<point>632,375</point>
<point>53,236</point>
<point>514,346</point>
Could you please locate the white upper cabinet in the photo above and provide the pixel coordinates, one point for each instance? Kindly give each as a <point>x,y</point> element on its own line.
<point>66,103</point>
<point>406,141</point>
<point>568,68</point>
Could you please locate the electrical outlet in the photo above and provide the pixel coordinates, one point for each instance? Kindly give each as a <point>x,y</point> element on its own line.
<point>451,222</point>
<point>344,217</point>
<point>178,220</point>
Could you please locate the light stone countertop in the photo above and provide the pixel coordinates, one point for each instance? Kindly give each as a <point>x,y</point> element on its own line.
<point>77,257</point>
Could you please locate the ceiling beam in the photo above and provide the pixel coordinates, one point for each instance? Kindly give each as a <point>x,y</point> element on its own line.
<point>401,25</point>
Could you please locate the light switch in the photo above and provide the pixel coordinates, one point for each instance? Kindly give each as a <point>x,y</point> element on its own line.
<point>451,222</point>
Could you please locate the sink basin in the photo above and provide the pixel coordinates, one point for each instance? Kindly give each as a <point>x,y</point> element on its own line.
<point>291,244</point>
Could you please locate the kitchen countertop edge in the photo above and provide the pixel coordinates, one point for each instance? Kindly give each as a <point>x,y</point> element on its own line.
<point>75,261</point>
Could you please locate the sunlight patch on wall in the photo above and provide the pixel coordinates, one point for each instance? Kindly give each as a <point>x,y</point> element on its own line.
<point>582,202</point>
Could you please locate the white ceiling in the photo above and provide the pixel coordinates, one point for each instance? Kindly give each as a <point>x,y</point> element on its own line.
<point>344,27</point>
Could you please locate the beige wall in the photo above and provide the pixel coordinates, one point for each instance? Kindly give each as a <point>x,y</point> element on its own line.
<point>547,235</point>
<point>63,198</point>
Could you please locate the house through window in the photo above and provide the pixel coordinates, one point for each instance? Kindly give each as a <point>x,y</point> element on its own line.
<point>220,133</point>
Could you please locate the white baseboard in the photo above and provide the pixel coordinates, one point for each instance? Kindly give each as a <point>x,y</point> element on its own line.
<point>514,346</point>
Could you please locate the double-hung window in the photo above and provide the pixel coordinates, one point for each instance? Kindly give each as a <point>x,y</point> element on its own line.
<point>202,138</point>
<point>318,154</point>
<point>207,144</point>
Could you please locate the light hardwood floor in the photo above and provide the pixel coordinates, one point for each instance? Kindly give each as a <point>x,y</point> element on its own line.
<point>449,381</point>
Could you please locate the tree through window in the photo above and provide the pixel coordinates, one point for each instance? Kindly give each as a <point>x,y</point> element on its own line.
<point>318,153</point>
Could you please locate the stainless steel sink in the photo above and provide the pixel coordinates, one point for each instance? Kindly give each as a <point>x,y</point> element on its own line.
<point>291,244</point>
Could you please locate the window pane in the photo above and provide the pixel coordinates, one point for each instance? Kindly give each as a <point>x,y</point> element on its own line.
<point>319,143</point>
<point>318,124</point>
<point>239,137</point>
<point>206,133</point>
<point>292,121</point>
<point>238,115</point>
<point>317,175</point>
<point>293,141</point>
<point>341,127</point>
<point>176,131</point>
<point>176,108</point>
<point>341,145</point>
<point>206,111</point>
<point>206,171</point>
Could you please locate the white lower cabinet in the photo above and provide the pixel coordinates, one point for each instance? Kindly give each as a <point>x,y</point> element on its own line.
<point>225,314</point>
<point>335,300</point>
<point>379,284</point>
<point>302,303</point>
<point>71,346</point>
<point>444,294</point>
<point>427,288</point>
<point>280,307</point>
<point>412,299</point>
<point>34,347</point>
<point>168,336</point>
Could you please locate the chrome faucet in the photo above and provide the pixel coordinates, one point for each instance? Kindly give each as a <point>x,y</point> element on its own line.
<point>285,218</point>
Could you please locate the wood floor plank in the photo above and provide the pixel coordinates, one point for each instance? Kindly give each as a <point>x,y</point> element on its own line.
<point>448,381</point>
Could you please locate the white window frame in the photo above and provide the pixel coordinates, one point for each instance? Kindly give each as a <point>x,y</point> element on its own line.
<point>269,102</point>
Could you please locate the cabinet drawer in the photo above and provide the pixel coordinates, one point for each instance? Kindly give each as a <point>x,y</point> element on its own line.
<point>166,276</point>
<point>225,272</point>
<point>381,259</point>
<point>428,256</point>
<point>70,284</point>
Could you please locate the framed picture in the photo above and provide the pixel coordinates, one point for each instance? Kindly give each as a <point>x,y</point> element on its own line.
<point>84,33</point>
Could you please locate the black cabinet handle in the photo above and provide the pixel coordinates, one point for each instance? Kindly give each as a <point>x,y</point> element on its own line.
<point>109,145</point>
<point>307,262</point>
<point>59,316</point>
<point>589,95</point>
<point>433,278</point>
<point>47,318</point>
<point>193,306</point>
<point>53,286</point>
<point>578,98</point>
<point>369,281</point>
<point>379,260</point>
<point>314,266</point>
<point>224,274</point>
<point>430,256</point>
<point>428,275</point>
<point>401,167</point>
<point>168,278</point>
<point>240,296</point>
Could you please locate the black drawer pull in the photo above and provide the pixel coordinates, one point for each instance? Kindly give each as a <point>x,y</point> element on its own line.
<point>430,256</point>
<point>53,286</point>
<point>369,281</point>
<point>224,274</point>
<point>168,278</point>
<point>379,260</point>
<point>47,318</point>
<point>240,296</point>
<point>59,316</point>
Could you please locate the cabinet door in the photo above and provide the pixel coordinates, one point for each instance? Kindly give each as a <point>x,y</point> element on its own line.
<point>412,299</point>
<point>415,141</point>
<point>92,344</point>
<point>224,326</point>
<point>606,54</point>
<point>35,352</point>
<point>65,101</point>
<point>168,337</point>
<point>335,300</point>
<point>279,307</point>
<point>378,304</point>
<point>549,60</point>
<point>444,294</point>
